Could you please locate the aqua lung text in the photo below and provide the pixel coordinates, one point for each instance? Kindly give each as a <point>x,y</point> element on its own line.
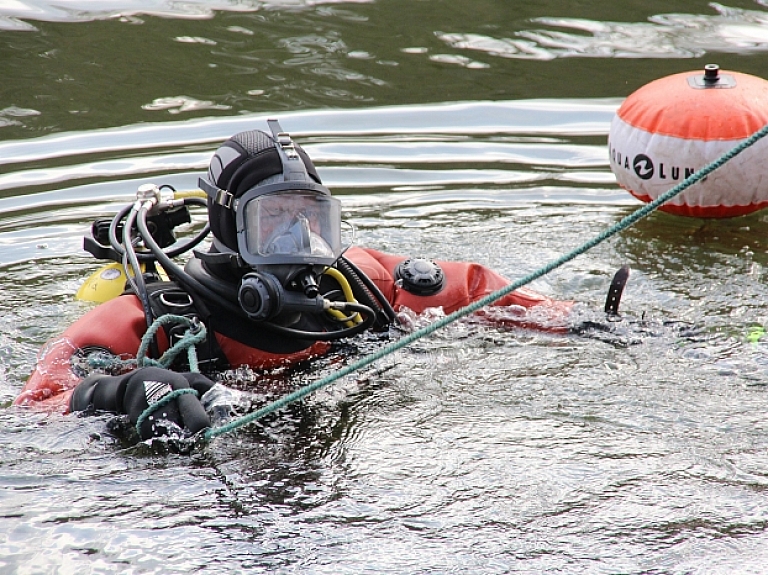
<point>645,168</point>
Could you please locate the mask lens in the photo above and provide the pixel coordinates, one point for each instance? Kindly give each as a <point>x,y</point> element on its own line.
<point>292,226</point>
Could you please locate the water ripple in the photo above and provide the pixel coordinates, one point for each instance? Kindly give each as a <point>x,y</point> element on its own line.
<point>664,36</point>
<point>15,15</point>
<point>478,449</point>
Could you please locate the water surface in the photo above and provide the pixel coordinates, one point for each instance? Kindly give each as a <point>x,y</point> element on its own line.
<point>457,130</point>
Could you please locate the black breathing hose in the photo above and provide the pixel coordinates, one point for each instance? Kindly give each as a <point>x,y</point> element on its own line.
<point>363,310</point>
<point>139,286</point>
<point>197,287</point>
<point>171,253</point>
<point>366,289</point>
<point>178,273</point>
<point>113,240</point>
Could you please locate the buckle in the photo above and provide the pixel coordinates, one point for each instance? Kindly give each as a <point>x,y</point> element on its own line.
<point>221,197</point>
<point>283,139</point>
<point>287,144</point>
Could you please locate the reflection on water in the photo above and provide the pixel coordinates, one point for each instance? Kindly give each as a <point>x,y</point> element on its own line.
<point>475,155</point>
<point>664,36</point>
<point>228,58</point>
<point>457,130</point>
<point>19,15</point>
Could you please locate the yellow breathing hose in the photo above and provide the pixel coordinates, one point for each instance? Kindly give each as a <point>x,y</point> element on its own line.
<point>183,194</point>
<point>348,295</point>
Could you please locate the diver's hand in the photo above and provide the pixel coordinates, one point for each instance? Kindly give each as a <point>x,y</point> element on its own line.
<point>133,393</point>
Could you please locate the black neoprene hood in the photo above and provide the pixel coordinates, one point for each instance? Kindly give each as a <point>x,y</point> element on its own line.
<point>242,162</point>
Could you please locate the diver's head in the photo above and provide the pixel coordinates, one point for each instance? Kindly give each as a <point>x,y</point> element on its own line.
<point>267,207</point>
<point>266,202</point>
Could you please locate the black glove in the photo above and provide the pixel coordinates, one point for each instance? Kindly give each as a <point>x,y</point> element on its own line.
<point>133,393</point>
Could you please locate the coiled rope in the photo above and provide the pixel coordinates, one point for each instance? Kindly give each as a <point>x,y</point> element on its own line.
<point>623,224</point>
<point>194,334</point>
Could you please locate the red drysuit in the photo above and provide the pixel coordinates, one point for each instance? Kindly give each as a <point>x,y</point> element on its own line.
<point>118,325</point>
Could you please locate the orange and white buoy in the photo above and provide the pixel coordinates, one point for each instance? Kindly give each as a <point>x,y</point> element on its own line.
<point>674,126</point>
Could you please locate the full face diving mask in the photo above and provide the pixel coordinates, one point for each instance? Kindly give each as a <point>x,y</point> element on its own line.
<point>295,221</point>
<point>286,232</point>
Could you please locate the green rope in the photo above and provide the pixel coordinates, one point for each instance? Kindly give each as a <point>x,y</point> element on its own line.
<point>194,335</point>
<point>489,299</point>
<point>162,402</point>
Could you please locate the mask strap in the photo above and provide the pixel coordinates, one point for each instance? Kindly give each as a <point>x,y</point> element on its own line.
<point>294,169</point>
<point>216,194</point>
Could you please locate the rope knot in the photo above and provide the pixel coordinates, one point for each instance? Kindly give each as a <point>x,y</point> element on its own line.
<point>195,333</point>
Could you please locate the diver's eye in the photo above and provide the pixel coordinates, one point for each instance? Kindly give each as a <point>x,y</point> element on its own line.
<point>273,211</point>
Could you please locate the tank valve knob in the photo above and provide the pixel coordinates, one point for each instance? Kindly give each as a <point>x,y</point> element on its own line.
<point>711,78</point>
<point>148,192</point>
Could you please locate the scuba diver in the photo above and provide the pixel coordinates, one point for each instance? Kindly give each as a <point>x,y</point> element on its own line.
<point>275,287</point>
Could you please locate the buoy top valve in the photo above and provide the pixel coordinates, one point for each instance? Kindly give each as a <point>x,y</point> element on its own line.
<point>711,73</point>
<point>712,78</point>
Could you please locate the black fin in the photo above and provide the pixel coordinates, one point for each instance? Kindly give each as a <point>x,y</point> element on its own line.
<point>614,292</point>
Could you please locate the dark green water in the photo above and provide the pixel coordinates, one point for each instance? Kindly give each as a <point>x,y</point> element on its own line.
<point>458,130</point>
<point>78,73</point>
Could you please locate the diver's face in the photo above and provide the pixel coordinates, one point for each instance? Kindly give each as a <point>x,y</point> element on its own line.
<point>281,214</point>
<point>292,224</point>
